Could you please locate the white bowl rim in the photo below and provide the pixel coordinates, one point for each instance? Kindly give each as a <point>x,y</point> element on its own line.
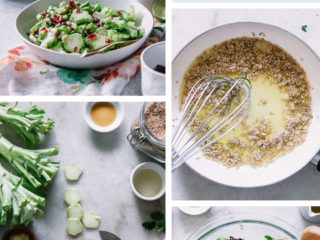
<point>145,64</point>
<point>258,23</point>
<point>244,22</point>
<point>67,54</point>
<point>104,129</point>
<point>154,166</point>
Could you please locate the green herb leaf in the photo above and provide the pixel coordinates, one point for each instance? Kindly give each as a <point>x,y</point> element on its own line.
<point>149,225</point>
<point>161,226</point>
<point>304,28</point>
<point>268,237</point>
<point>158,216</point>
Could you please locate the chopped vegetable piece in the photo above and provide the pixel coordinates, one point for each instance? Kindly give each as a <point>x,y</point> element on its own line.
<point>72,172</point>
<point>74,226</point>
<point>72,196</point>
<point>91,220</point>
<point>75,211</point>
<point>304,28</point>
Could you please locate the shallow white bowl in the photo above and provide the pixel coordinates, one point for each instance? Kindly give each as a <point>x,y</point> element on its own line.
<point>116,123</point>
<point>152,81</point>
<point>155,167</point>
<point>27,18</point>
<point>291,162</point>
<point>194,211</point>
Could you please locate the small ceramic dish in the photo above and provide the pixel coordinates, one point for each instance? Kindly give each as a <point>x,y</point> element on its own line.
<point>27,18</point>
<point>152,81</point>
<point>194,210</point>
<point>155,167</point>
<point>17,231</point>
<point>114,125</point>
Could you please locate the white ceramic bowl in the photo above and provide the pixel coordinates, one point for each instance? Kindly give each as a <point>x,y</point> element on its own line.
<point>194,211</point>
<point>291,162</point>
<point>152,81</point>
<point>27,18</point>
<point>153,166</point>
<point>116,123</point>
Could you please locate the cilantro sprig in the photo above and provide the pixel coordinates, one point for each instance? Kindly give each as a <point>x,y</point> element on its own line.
<point>157,222</point>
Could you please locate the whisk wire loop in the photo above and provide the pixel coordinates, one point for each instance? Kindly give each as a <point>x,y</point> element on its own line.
<point>227,112</point>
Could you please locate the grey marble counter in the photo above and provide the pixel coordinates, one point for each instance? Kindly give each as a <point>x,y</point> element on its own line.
<point>107,160</point>
<point>10,39</point>
<point>184,225</point>
<point>189,185</point>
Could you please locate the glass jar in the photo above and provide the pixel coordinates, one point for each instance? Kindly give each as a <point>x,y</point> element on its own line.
<point>142,139</point>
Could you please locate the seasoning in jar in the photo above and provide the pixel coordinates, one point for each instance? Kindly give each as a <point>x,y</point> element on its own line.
<point>155,117</point>
<point>148,131</point>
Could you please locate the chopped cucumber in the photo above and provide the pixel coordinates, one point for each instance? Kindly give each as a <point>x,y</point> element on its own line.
<point>50,39</point>
<point>74,226</point>
<point>72,172</point>
<point>91,220</point>
<point>80,17</point>
<point>75,211</point>
<point>96,42</point>
<point>58,48</point>
<point>71,23</point>
<point>73,43</point>
<point>71,196</point>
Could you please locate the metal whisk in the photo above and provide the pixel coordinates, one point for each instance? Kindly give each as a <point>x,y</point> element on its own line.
<point>229,110</point>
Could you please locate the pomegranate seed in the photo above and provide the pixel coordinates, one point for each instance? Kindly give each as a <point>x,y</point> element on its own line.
<point>43,17</point>
<point>107,40</point>
<point>44,29</point>
<point>71,3</point>
<point>92,35</point>
<point>75,49</point>
<point>45,13</point>
<point>78,11</point>
<point>98,25</point>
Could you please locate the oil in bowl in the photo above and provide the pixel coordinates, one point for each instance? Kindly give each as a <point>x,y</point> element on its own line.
<point>147,182</point>
<point>103,113</point>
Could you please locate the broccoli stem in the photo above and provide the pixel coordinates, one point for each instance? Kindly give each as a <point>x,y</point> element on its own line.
<point>29,163</point>
<point>28,122</point>
<point>18,200</point>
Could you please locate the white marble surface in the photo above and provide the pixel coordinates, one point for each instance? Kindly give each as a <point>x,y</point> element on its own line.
<point>107,160</point>
<point>189,23</point>
<point>10,39</point>
<point>184,225</point>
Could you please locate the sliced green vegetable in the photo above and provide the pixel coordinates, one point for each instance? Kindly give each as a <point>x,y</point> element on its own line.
<point>72,172</point>
<point>75,211</point>
<point>73,43</point>
<point>91,220</point>
<point>72,196</point>
<point>74,226</point>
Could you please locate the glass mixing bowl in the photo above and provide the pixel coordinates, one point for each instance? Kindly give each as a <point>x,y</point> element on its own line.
<point>247,226</point>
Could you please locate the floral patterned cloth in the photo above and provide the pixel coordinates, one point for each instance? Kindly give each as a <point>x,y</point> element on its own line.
<point>23,73</point>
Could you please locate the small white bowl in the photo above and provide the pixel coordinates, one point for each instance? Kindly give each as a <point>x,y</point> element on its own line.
<point>116,123</point>
<point>152,81</point>
<point>194,210</point>
<point>155,167</point>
